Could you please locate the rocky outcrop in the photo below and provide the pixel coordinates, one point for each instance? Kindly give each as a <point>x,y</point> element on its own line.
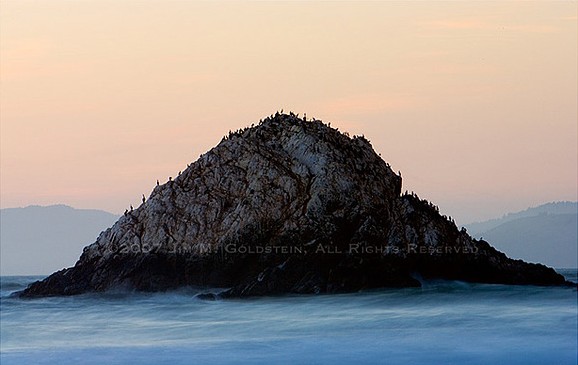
<point>287,206</point>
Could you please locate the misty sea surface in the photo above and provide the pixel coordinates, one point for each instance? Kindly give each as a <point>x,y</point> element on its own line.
<point>440,323</point>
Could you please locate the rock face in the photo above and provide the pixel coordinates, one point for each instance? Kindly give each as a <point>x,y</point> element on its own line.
<point>287,206</point>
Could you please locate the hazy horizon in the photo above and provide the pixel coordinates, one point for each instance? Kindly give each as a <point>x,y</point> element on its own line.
<point>496,217</point>
<point>31,235</point>
<point>474,102</point>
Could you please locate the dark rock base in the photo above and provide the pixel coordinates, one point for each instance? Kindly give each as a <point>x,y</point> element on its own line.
<point>254,275</point>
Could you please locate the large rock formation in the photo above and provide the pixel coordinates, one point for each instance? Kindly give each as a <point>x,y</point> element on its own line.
<point>287,206</point>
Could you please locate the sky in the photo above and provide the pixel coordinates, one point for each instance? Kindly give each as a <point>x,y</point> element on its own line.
<point>474,102</point>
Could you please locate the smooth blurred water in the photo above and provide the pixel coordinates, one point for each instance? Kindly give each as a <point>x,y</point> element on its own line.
<point>441,323</point>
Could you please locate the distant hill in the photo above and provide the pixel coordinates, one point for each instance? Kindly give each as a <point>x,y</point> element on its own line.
<point>548,208</point>
<point>546,234</point>
<point>39,240</point>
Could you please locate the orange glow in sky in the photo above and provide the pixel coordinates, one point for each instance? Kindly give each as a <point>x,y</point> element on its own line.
<point>475,102</point>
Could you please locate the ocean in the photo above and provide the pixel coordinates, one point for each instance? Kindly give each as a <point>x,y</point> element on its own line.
<point>440,323</point>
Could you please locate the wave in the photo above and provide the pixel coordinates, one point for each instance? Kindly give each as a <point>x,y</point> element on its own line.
<point>12,284</point>
<point>469,323</point>
<point>569,274</point>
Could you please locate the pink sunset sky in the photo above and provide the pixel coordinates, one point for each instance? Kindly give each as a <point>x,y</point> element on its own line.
<point>475,102</point>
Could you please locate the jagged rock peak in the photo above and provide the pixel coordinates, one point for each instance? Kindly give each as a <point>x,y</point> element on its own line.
<point>288,205</point>
<point>285,170</point>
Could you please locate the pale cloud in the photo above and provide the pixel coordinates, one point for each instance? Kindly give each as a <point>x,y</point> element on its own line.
<point>368,103</point>
<point>478,24</point>
<point>458,24</point>
<point>21,57</point>
<point>532,28</point>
